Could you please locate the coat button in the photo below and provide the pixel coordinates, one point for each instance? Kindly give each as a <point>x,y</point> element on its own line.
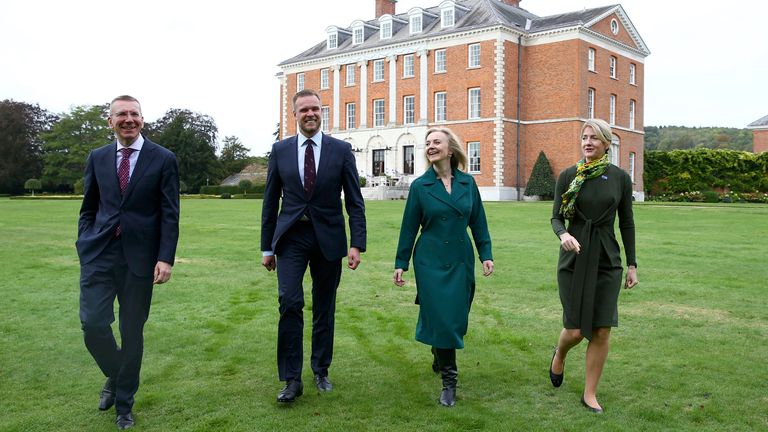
<point>445,242</point>
<point>444,218</point>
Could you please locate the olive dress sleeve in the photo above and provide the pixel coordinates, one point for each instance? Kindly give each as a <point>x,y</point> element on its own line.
<point>558,220</point>
<point>627,221</point>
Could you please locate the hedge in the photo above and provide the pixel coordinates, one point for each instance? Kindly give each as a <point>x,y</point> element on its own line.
<point>706,171</point>
<point>232,190</point>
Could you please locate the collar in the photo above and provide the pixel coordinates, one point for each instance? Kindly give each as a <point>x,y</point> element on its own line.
<point>136,145</point>
<point>317,138</point>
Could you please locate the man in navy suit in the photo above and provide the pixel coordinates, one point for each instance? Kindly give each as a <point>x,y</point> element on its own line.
<point>309,171</point>
<point>126,241</point>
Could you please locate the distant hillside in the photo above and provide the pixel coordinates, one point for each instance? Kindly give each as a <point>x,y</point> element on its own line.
<point>683,138</point>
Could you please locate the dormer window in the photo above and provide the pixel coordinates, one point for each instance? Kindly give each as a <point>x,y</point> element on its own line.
<point>336,37</point>
<point>333,41</point>
<point>447,17</point>
<point>415,23</point>
<point>357,35</point>
<point>386,29</point>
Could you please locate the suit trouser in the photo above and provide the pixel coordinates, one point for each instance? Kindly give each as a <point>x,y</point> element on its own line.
<point>298,248</point>
<point>101,281</point>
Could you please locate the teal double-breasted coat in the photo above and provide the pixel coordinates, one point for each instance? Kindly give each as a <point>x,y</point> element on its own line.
<point>443,257</point>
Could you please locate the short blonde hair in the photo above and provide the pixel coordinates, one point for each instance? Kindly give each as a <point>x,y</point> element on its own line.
<point>602,130</point>
<point>459,157</point>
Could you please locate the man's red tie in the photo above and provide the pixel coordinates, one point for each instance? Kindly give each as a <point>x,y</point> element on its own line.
<point>309,168</point>
<point>124,174</point>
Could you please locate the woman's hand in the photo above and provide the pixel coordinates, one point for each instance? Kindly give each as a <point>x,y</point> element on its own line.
<point>631,277</point>
<point>569,242</point>
<point>487,267</point>
<point>397,278</point>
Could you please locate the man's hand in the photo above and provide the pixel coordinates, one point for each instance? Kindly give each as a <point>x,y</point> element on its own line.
<point>268,262</point>
<point>353,258</point>
<point>162,272</point>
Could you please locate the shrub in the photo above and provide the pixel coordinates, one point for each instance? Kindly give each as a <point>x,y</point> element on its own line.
<point>226,195</point>
<point>542,181</point>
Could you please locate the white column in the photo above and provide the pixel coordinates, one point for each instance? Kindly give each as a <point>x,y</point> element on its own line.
<point>392,89</point>
<point>423,90</point>
<point>363,94</point>
<point>336,97</point>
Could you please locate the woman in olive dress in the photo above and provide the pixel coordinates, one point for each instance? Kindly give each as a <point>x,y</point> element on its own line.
<point>589,195</point>
<point>442,203</point>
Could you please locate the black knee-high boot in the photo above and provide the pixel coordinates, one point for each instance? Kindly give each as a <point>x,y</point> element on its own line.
<point>435,366</point>
<point>446,360</point>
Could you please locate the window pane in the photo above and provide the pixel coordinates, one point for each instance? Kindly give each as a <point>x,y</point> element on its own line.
<point>473,154</point>
<point>378,112</point>
<point>378,162</point>
<point>351,116</point>
<point>408,110</point>
<point>325,112</point>
<point>440,61</point>
<point>408,160</point>
<point>440,106</point>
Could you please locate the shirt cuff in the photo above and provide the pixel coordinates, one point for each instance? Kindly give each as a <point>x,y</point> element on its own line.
<point>267,253</point>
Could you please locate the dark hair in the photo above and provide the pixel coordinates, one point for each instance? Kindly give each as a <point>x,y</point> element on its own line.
<point>302,93</point>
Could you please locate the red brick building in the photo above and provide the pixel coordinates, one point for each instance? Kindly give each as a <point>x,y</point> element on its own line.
<point>508,82</point>
<point>759,134</point>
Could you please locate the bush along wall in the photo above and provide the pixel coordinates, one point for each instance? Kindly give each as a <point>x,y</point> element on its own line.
<point>706,175</point>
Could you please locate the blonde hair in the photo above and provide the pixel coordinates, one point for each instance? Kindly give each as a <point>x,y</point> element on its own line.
<point>459,156</point>
<point>601,128</point>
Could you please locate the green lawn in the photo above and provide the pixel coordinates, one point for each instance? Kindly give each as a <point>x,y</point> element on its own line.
<point>691,352</point>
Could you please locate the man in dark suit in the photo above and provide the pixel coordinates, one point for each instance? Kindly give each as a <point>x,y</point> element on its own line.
<point>126,241</point>
<point>309,171</point>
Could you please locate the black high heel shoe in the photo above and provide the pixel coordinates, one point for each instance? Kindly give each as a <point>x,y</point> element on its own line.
<point>589,408</point>
<point>557,379</point>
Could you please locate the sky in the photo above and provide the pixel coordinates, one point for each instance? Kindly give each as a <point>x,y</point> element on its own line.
<point>707,65</point>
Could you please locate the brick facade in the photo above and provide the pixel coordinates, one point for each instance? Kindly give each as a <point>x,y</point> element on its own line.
<point>554,85</point>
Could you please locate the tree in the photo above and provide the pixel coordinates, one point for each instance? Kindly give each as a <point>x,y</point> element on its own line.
<point>542,181</point>
<point>32,185</point>
<point>67,145</point>
<point>192,137</point>
<point>20,144</point>
<point>234,156</point>
<point>183,187</point>
<point>245,184</point>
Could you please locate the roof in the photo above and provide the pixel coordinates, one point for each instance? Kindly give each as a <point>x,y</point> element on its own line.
<point>759,123</point>
<point>480,14</point>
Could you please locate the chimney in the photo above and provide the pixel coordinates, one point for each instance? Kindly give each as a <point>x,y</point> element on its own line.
<point>515,3</point>
<point>384,7</point>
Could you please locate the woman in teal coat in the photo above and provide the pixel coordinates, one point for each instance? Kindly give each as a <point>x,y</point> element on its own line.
<point>589,195</point>
<point>443,203</point>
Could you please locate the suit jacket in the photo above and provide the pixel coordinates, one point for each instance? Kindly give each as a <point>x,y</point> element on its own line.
<point>337,171</point>
<point>148,211</point>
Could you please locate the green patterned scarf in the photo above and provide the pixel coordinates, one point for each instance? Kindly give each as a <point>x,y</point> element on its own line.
<point>584,171</point>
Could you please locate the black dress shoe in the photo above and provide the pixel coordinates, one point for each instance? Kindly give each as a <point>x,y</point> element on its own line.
<point>124,421</point>
<point>557,379</point>
<point>322,383</point>
<point>589,408</point>
<point>291,391</point>
<point>107,396</point>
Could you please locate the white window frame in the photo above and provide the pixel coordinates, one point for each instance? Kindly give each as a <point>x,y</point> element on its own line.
<point>409,109</point>
<point>333,41</point>
<point>378,112</point>
<point>351,116</point>
<point>447,17</point>
<point>325,116</point>
<point>412,159</point>
<point>386,30</point>
<point>612,67</point>
<point>299,81</point>
<point>416,23</point>
<point>473,55</point>
<point>324,82</point>
<point>632,157</point>
<point>614,26</point>
<point>632,104</point>
<point>615,150</point>
<point>612,110</point>
<point>473,157</point>
<point>632,70</point>
<point>441,102</point>
<point>358,35</point>
<point>440,61</point>
<point>408,66</point>
<point>591,103</point>
<point>591,53</point>
<point>378,70</point>
<point>473,103</point>
<point>351,72</point>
